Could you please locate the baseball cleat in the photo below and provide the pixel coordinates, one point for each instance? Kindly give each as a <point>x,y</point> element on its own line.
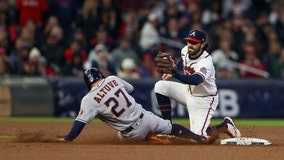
<point>211,139</point>
<point>207,140</point>
<point>233,131</point>
<point>203,140</point>
<point>159,139</point>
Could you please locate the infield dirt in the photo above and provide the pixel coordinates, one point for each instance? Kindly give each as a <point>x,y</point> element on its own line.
<point>37,141</point>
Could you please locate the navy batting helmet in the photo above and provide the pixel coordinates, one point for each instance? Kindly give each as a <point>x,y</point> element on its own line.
<point>91,76</point>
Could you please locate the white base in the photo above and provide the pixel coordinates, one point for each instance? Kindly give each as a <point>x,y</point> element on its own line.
<point>245,141</point>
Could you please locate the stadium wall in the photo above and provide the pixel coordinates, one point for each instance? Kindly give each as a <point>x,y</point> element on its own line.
<point>61,97</point>
<point>26,96</point>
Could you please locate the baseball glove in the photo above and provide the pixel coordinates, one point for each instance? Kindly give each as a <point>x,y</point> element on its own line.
<point>165,63</point>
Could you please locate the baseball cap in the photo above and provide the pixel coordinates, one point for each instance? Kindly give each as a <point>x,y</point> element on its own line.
<point>196,36</point>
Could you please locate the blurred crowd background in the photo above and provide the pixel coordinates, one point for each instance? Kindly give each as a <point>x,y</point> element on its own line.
<point>51,38</point>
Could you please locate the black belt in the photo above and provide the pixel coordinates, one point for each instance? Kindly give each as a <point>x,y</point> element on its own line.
<point>131,128</point>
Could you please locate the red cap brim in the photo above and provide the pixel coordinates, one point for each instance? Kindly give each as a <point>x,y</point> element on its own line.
<point>192,39</point>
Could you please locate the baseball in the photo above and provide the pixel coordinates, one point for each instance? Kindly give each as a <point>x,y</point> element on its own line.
<point>167,57</point>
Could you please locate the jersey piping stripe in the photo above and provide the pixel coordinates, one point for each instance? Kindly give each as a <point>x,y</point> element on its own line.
<point>207,116</point>
<point>192,64</point>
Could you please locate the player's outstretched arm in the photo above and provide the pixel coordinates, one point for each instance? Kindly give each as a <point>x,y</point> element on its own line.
<point>75,131</point>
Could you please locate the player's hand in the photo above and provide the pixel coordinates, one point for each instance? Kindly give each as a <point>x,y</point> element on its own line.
<point>166,76</point>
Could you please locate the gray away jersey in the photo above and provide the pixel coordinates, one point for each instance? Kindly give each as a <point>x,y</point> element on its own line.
<point>110,101</point>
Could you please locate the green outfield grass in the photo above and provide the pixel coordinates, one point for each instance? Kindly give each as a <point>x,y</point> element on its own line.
<point>184,121</point>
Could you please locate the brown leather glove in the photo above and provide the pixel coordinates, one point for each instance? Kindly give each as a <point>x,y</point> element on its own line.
<point>165,63</point>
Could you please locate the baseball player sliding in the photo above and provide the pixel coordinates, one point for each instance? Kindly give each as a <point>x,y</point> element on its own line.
<point>110,100</point>
<point>196,90</point>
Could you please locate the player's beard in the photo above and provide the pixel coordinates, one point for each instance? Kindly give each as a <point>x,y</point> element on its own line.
<point>194,52</point>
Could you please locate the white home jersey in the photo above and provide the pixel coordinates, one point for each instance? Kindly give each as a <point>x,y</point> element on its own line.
<point>110,101</point>
<point>202,65</point>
